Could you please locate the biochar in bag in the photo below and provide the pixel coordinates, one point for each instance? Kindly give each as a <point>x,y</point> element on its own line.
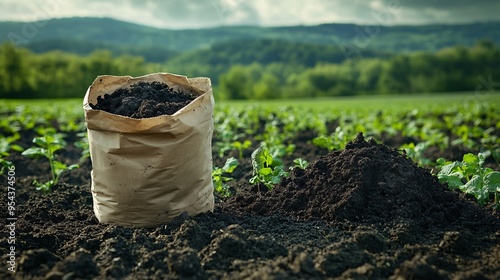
<point>147,171</point>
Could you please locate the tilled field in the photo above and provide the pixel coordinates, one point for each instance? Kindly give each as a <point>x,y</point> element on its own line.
<point>365,212</point>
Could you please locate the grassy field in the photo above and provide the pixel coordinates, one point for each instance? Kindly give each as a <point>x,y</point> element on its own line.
<point>426,126</point>
<point>371,103</point>
<point>393,103</point>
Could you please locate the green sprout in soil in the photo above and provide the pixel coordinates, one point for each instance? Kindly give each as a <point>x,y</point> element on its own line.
<point>240,147</point>
<point>324,141</point>
<point>300,163</point>
<point>47,147</point>
<point>471,177</point>
<point>267,170</point>
<point>416,152</point>
<point>5,147</point>
<point>220,180</point>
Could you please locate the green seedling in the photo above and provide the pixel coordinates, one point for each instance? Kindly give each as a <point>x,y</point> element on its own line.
<point>47,147</point>
<point>47,130</point>
<point>465,134</point>
<point>416,152</point>
<point>240,147</point>
<point>279,150</point>
<point>220,180</point>
<point>300,163</point>
<point>67,124</point>
<point>5,147</point>
<point>266,169</point>
<point>324,141</point>
<point>471,177</point>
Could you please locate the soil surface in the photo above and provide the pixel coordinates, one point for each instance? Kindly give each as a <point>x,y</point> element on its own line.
<point>366,212</point>
<point>144,100</point>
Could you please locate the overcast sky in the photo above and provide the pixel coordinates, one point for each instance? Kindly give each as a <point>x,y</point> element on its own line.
<point>176,14</point>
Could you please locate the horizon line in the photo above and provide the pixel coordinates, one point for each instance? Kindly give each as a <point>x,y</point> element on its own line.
<point>259,26</point>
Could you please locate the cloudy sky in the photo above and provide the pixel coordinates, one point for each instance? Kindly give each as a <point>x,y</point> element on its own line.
<point>177,14</point>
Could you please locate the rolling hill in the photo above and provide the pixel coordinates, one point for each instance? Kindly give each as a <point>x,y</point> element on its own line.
<point>84,35</point>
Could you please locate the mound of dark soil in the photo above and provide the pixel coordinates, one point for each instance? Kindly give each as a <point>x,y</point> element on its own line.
<point>144,100</point>
<point>367,182</point>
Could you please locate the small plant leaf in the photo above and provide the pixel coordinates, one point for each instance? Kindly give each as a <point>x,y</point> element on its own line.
<point>59,165</point>
<point>247,144</point>
<point>442,161</point>
<point>480,159</point>
<point>230,165</point>
<point>34,152</point>
<point>473,185</point>
<point>4,164</point>
<point>452,181</point>
<point>492,181</point>
<point>324,142</point>
<point>40,141</point>
<point>17,148</point>
<point>73,166</point>
<point>471,164</point>
<point>265,171</point>
<point>275,180</point>
<point>301,163</point>
<point>452,169</point>
<point>44,187</point>
<point>261,158</point>
<point>470,159</point>
<point>276,162</point>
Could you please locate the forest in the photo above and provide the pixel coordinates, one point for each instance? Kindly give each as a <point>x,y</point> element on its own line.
<point>84,35</point>
<point>259,69</point>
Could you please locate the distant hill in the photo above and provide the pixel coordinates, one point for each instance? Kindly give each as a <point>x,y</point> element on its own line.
<point>150,53</point>
<point>83,35</point>
<point>267,51</point>
<point>220,57</point>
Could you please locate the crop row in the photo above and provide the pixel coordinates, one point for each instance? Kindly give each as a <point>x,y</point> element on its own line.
<point>266,140</point>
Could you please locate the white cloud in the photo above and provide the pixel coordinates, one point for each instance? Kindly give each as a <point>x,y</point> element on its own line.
<point>295,12</point>
<point>177,14</point>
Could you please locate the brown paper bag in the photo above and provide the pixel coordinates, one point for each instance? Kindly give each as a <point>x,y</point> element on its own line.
<point>148,171</point>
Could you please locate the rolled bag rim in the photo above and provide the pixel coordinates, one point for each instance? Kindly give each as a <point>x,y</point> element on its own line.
<point>200,86</point>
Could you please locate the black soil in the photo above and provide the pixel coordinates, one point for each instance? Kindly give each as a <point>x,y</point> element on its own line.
<point>144,100</point>
<point>365,183</point>
<point>366,212</point>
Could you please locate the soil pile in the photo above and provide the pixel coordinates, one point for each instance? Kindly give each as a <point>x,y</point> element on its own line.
<point>144,100</point>
<point>367,182</point>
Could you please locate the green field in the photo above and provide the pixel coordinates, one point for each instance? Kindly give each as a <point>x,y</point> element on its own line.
<point>428,101</point>
<point>419,153</point>
<point>394,103</point>
<point>426,126</point>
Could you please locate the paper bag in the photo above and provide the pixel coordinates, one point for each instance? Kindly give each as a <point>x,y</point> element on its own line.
<point>147,171</point>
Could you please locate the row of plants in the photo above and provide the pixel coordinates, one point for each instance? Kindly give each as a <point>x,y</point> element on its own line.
<point>264,136</point>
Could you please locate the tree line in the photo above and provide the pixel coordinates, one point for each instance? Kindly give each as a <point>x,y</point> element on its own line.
<point>448,70</point>
<point>56,74</point>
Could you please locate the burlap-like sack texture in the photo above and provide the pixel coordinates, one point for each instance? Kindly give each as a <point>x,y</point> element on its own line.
<point>148,171</point>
